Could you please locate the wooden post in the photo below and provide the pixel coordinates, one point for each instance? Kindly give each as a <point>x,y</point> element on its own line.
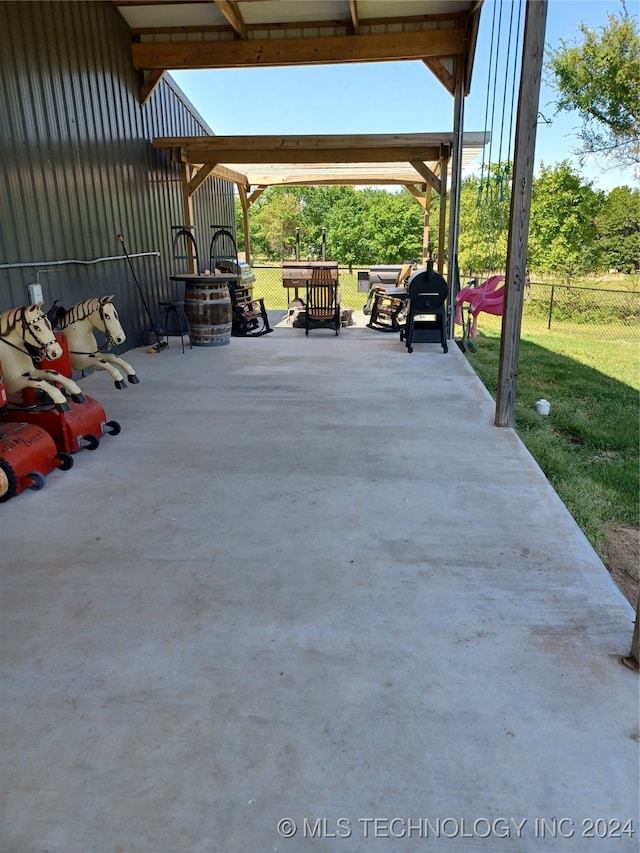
<point>523,161</point>
<point>242,194</point>
<point>635,642</point>
<point>456,180</point>
<point>426,228</point>
<point>187,206</point>
<point>442,226</point>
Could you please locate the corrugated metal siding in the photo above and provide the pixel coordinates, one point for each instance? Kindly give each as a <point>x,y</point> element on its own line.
<point>78,166</point>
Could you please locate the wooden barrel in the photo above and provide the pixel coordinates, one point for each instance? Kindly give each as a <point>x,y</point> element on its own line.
<point>207,305</point>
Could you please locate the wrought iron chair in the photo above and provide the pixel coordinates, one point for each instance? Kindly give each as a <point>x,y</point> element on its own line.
<point>184,248</point>
<point>323,307</point>
<point>426,318</point>
<point>249,318</point>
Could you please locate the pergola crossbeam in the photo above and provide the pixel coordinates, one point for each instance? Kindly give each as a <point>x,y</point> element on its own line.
<point>251,53</point>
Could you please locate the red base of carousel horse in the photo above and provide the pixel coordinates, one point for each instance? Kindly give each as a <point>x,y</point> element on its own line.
<point>79,428</point>
<point>27,454</point>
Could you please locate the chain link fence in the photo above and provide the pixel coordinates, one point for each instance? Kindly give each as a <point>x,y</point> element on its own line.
<point>268,285</point>
<point>588,313</point>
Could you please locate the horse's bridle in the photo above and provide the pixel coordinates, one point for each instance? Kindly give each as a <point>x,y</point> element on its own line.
<point>35,353</point>
<point>109,341</point>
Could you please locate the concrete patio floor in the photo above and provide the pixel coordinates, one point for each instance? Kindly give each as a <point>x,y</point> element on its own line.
<point>309,582</point>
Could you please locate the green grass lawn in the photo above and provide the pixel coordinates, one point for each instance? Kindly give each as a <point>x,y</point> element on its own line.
<point>588,447</point>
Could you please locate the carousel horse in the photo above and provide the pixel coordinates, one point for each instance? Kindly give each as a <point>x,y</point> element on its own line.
<point>26,338</point>
<point>79,322</point>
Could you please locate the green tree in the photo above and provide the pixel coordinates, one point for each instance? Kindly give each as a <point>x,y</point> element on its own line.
<point>393,224</point>
<point>347,240</point>
<point>274,219</point>
<point>599,77</point>
<point>618,227</point>
<point>562,231</point>
<point>338,209</point>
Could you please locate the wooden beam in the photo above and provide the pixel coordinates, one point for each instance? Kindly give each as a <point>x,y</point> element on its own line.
<point>244,204</point>
<point>417,193</point>
<point>442,221</point>
<point>295,142</point>
<point>149,84</point>
<point>426,226</point>
<point>200,177</point>
<point>187,206</point>
<point>379,47</point>
<point>445,77</point>
<point>332,180</point>
<point>327,155</point>
<point>473,24</point>
<point>232,13</point>
<point>231,175</point>
<point>255,195</point>
<point>377,148</point>
<point>518,236</point>
<point>634,654</point>
<point>353,6</point>
<point>424,171</point>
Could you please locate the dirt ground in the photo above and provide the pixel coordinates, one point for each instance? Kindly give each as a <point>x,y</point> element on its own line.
<point>622,559</point>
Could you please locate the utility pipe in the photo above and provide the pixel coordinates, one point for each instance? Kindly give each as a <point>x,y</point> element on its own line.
<point>86,263</point>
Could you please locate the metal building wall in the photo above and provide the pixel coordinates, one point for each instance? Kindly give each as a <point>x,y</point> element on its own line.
<point>78,167</point>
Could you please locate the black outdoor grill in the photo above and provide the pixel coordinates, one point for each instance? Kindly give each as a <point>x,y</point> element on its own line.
<point>379,275</point>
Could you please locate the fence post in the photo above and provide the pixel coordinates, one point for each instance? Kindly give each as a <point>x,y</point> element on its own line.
<point>553,288</point>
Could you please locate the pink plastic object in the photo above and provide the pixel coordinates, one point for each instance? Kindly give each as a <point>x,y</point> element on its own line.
<point>471,295</point>
<point>493,303</point>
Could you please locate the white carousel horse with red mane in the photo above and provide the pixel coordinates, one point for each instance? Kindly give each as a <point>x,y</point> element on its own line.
<point>79,322</point>
<point>26,338</point>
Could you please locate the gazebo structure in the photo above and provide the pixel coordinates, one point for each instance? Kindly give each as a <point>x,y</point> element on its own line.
<point>420,162</point>
<point>168,34</point>
<point>255,34</point>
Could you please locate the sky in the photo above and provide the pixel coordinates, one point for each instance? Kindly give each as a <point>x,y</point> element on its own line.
<point>405,97</point>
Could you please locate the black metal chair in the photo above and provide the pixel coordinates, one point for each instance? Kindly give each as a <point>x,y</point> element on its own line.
<point>173,310</point>
<point>426,317</point>
<point>184,248</point>
<point>323,307</point>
